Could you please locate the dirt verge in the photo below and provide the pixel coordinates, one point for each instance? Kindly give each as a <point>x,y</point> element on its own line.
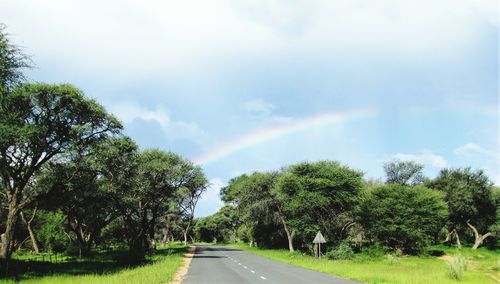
<point>181,273</point>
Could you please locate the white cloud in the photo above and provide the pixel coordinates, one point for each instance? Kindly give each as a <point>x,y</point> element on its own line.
<point>128,112</point>
<point>134,40</point>
<point>427,158</point>
<point>263,110</point>
<point>471,149</point>
<point>259,106</point>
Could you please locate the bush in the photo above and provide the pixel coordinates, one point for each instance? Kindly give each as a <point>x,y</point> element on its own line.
<point>343,251</point>
<point>456,268</point>
<point>375,251</point>
<point>404,218</point>
<point>392,259</point>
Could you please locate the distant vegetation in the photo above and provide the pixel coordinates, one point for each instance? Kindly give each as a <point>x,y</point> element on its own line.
<point>405,215</point>
<point>73,185</point>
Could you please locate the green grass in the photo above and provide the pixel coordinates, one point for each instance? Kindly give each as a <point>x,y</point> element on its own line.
<point>483,266</point>
<point>102,268</point>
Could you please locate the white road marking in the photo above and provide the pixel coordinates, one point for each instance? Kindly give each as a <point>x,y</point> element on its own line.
<point>239,263</point>
<point>263,278</point>
<point>252,271</point>
<point>245,267</point>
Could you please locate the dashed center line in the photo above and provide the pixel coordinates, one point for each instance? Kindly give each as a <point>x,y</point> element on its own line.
<point>252,271</point>
<point>245,267</point>
<point>263,278</point>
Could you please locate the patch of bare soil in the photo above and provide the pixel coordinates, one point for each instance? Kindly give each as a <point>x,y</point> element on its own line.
<point>181,273</point>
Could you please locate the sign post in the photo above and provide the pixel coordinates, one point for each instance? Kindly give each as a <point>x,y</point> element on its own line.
<point>319,239</point>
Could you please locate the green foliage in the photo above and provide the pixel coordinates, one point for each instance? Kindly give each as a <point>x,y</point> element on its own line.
<point>470,196</point>
<point>220,227</point>
<point>405,218</point>
<point>12,61</point>
<point>316,196</point>
<point>404,172</point>
<point>343,251</point>
<point>51,233</point>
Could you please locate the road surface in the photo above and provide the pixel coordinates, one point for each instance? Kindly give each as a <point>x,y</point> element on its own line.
<point>215,264</point>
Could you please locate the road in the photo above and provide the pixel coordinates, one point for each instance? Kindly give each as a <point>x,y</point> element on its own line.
<point>216,264</point>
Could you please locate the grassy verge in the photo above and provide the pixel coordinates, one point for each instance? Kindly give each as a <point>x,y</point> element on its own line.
<point>159,268</point>
<point>483,266</point>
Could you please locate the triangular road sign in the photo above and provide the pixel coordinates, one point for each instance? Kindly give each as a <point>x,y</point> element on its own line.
<point>319,239</point>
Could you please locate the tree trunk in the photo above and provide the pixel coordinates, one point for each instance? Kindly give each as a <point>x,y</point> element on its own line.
<point>288,234</point>
<point>185,238</point>
<point>459,245</point>
<point>479,238</point>
<point>448,236</point>
<point>8,236</point>
<point>34,242</point>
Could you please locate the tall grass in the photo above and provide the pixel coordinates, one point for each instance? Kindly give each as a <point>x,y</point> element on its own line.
<point>456,267</point>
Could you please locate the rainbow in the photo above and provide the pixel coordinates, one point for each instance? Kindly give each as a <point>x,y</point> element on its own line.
<point>270,133</point>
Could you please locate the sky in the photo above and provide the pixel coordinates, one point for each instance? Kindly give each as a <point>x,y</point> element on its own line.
<point>253,85</point>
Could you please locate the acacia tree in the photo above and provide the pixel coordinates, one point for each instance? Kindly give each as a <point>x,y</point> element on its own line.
<point>189,195</point>
<point>404,172</point>
<point>73,188</point>
<point>255,205</point>
<point>471,203</point>
<point>318,195</point>
<point>12,62</point>
<point>401,217</point>
<point>41,122</point>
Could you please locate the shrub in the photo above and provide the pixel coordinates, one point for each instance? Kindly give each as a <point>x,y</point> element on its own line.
<point>456,268</point>
<point>392,259</point>
<point>375,251</point>
<point>343,251</point>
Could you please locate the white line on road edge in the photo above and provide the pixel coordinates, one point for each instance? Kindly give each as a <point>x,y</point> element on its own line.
<point>263,278</point>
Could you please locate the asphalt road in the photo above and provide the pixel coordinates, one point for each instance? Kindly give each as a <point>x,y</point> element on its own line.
<point>215,264</point>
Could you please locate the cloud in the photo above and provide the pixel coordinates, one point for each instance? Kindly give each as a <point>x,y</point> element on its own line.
<point>258,106</point>
<point>471,149</point>
<point>134,40</point>
<point>263,110</point>
<point>129,112</point>
<point>427,158</point>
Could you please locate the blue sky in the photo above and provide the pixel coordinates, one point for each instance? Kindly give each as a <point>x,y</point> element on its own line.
<point>190,76</point>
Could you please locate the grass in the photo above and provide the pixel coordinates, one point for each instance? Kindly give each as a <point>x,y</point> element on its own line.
<point>482,266</point>
<point>101,268</point>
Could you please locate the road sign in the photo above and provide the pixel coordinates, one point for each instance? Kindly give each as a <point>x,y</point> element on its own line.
<point>319,239</point>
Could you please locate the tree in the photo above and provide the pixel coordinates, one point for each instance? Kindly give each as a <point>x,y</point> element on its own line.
<point>219,227</point>
<point>255,204</point>
<point>189,195</point>
<point>319,195</point>
<point>404,172</point>
<point>12,61</point>
<point>401,217</point>
<point>40,123</point>
<point>470,199</point>
<point>73,189</point>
